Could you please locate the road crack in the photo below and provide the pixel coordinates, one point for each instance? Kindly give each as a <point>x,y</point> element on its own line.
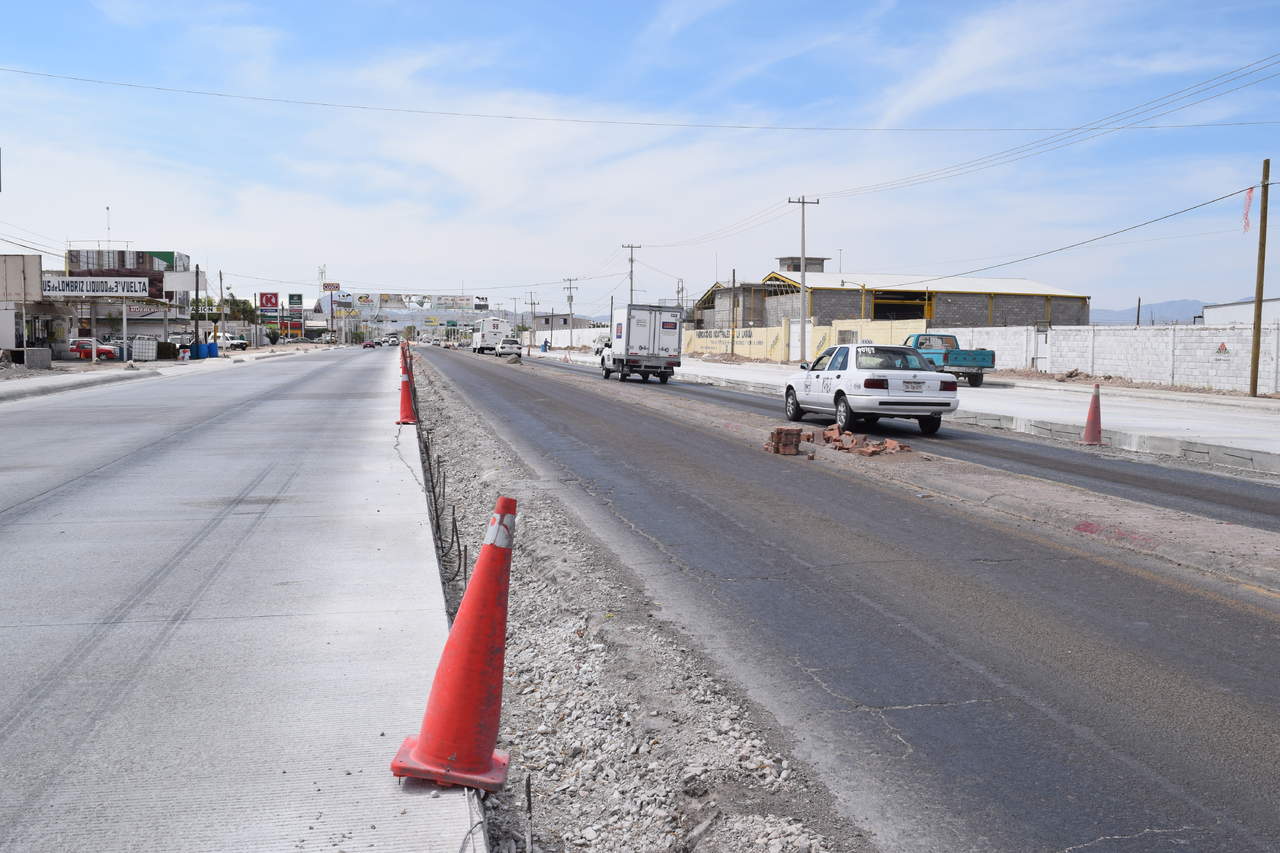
<point>1147,831</point>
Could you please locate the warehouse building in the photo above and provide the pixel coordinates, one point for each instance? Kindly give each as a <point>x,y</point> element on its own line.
<point>961,301</point>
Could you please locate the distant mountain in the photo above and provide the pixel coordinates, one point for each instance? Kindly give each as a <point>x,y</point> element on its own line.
<point>1173,311</point>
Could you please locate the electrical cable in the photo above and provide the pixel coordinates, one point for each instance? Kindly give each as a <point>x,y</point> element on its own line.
<point>210,93</point>
<point>1080,242</point>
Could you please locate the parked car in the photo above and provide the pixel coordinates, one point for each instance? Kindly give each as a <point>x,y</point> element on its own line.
<point>601,343</point>
<point>869,382</point>
<point>945,353</point>
<point>87,348</point>
<point>230,342</point>
<point>507,346</point>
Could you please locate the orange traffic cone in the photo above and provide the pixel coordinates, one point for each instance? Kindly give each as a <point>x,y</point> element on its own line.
<point>1093,423</point>
<point>406,396</point>
<point>460,727</point>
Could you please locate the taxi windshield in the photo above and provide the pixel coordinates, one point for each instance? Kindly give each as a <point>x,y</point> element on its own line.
<point>890,358</point>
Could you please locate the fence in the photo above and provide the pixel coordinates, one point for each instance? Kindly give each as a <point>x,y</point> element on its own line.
<point>1193,356</point>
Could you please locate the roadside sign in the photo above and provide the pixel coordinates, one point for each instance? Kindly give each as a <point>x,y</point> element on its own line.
<point>269,300</point>
<point>330,286</point>
<point>295,300</point>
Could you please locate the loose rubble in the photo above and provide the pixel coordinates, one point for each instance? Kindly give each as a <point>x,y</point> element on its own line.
<point>628,740</point>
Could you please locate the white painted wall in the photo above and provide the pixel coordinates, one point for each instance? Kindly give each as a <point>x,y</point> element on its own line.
<point>560,337</point>
<point>1214,356</point>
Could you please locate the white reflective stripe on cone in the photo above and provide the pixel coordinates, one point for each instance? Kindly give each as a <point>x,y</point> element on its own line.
<point>501,531</point>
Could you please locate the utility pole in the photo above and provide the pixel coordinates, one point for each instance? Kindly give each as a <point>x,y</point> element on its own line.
<point>804,286</point>
<point>570,288</point>
<point>631,271</point>
<point>222,304</point>
<point>1257,292</point>
<point>533,305</point>
<point>841,267</point>
<point>196,313</point>
<point>733,310</point>
<point>1137,317</point>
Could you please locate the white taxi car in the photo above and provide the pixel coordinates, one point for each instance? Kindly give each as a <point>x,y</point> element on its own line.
<point>867,382</point>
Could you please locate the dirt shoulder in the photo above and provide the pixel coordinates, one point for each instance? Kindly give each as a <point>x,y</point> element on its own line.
<point>627,737</point>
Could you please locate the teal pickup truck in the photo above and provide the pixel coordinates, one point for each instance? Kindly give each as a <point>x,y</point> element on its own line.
<point>945,353</point>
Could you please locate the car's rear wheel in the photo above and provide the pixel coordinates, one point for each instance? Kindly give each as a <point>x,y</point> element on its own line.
<point>844,414</point>
<point>930,424</point>
<point>975,379</point>
<point>644,377</point>
<point>663,377</point>
<point>622,377</point>
<point>792,406</point>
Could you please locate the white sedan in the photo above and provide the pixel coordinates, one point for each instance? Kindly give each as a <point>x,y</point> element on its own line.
<point>508,346</point>
<point>865,382</point>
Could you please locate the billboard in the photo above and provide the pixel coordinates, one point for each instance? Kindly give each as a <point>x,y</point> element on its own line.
<point>330,286</point>
<point>20,277</point>
<point>365,299</point>
<point>269,300</point>
<point>295,300</point>
<point>481,304</point>
<point>61,285</point>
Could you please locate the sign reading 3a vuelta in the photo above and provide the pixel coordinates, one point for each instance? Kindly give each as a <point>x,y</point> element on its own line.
<point>86,286</point>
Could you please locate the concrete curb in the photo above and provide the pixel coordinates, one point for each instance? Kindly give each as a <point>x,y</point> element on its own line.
<point>39,389</point>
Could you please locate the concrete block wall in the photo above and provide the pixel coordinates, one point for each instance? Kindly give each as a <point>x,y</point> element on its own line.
<point>1195,356</point>
<point>960,309</point>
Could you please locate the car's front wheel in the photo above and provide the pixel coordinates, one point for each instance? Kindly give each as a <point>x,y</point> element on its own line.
<point>844,414</point>
<point>794,412</point>
<point>930,424</point>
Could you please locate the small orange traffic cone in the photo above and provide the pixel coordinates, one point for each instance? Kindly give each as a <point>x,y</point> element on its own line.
<point>406,396</point>
<point>460,728</point>
<point>1093,423</point>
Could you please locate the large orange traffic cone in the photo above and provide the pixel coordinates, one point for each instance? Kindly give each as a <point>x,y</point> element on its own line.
<point>1093,423</point>
<point>406,396</point>
<point>460,727</point>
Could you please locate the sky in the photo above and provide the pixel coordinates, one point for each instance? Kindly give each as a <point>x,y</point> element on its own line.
<point>407,202</point>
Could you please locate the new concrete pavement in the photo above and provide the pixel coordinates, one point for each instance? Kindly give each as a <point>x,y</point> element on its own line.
<point>220,613</point>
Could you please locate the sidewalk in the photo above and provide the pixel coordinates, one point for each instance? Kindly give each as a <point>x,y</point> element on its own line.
<point>1238,431</point>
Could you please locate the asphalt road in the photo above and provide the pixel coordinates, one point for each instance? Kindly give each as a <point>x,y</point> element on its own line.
<point>217,612</point>
<point>959,684</point>
<point>1231,499</point>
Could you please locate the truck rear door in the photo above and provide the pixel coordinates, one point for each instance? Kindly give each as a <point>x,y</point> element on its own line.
<point>667,335</point>
<point>640,332</point>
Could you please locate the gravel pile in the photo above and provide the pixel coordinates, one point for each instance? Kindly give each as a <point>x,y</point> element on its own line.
<point>628,740</point>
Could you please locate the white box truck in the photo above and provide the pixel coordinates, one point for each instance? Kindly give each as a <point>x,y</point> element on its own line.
<point>644,340</point>
<point>490,333</point>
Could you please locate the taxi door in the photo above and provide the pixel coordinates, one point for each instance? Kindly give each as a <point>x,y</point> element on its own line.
<point>810,391</point>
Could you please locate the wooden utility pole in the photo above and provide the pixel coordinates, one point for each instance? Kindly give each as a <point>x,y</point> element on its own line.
<point>804,287</point>
<point>733,309</point>
<point>1257,290</point>
<point>631,272</point>
<point>1137,317</point>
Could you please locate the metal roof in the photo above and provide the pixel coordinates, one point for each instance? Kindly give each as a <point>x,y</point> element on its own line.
<point>932,284</point>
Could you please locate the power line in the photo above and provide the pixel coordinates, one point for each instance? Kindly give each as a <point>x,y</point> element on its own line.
<point>210,93</point>
<point>1084,132</point>
<point>1080,242</point>
<point>1072,136</point>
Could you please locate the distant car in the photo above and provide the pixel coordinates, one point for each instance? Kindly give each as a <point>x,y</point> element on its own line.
<point>368,345</point>
<point>869,382</point>
<point>602,343</point>
<point>86,348</point>
<point>507,346</point>
<point>231,342</point>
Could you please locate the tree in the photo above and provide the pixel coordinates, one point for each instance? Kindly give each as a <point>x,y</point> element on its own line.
<point>273,335</point>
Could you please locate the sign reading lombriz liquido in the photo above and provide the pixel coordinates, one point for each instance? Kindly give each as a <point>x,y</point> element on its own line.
<point>85,286</point>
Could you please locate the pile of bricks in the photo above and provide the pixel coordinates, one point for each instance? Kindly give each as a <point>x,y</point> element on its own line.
<point>785,441</point>
<point>860,444</point>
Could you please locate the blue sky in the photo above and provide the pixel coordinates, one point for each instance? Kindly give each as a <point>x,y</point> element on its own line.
<point>427,203</point>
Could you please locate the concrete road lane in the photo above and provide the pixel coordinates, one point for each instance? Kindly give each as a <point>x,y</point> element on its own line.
<point>961,684</point>
<point>220,613</point>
